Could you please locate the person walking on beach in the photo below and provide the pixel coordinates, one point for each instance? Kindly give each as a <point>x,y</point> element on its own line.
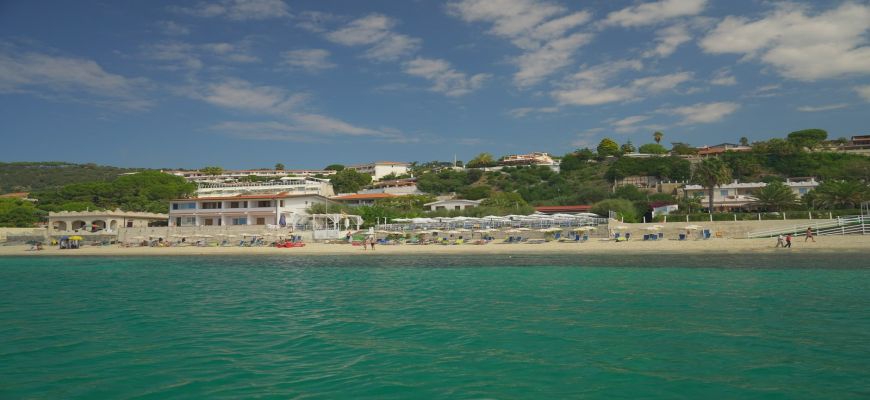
<point>372,239</point>
<point>788,240</point>
<point>810,235</point>
<point>779,242</point>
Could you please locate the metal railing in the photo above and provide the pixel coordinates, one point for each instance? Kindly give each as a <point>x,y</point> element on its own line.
<point>840,226</point>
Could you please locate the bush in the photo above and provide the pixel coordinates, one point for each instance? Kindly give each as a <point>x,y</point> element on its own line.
<point>624,208</point>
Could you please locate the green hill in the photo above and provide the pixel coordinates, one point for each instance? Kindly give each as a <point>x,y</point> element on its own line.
<point>35,176</point>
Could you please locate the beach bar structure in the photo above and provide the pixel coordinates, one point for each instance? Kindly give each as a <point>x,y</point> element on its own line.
<point>102,222</point>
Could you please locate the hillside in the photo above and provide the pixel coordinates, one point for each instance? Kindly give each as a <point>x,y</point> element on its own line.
<point>35,176</point>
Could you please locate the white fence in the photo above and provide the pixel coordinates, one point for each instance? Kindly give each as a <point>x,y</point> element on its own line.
<point>840,226</point>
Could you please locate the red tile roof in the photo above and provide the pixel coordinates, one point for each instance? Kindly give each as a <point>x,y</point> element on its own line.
<point>562,209</point>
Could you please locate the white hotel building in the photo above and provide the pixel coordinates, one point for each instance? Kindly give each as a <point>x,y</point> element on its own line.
<point>256,209</point>
<point>251,203</point>
<point>380,169</point>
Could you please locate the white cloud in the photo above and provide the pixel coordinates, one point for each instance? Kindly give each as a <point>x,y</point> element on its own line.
<point>68,79</point>
<point>864,91</point>
<point>703,113</point>
<point>311,60</point>
<point>668,39</point>
<point>549,58</point>
<point>181,55</point>
<point>172,28</point>
<point>629,124</point>
<point>242,95</point>
<point>303,127</point>
<point>539,28</point>
<point>238,10</point>
<point>445,79</point>
<point>654,13</point>
<point>589,86</point>
<point>523,111</point>
<point>375,30</point>
<point>828,107</point>
<point>723,77</point>
<point>799,46</point>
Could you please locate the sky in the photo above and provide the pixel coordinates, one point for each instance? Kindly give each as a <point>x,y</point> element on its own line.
<point>251,83</point>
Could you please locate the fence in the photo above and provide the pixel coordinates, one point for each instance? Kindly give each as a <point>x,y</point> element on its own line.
<point>839,226</point>
<point>771,216</point>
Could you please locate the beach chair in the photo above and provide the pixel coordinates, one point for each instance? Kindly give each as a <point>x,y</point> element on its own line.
<point>661,235</point>
<point>616,236</point>
<point>706,234</point>
<point>627,235</point>
<point>682,236</point>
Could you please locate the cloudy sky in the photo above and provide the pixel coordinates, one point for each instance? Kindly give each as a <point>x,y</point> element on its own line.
<point>248,83</point>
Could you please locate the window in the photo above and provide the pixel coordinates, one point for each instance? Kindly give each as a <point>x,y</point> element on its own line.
<point>239,221</point>
<point>457,207</point>
<point>264,203</point>
<point>723,193</point>
<point>129,224</point>
<point>282,203</point>
<point>208,222</point>
<point>185,221</point>
<point>803,191</point>
<point>235,204</point>
<point>261,221</point>
<point>183,206</point>
<point>210,205</point>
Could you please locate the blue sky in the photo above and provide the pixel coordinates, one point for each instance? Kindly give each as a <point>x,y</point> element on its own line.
<point>248,83</point>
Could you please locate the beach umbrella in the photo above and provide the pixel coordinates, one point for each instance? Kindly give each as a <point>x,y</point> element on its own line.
<point>76,237</point>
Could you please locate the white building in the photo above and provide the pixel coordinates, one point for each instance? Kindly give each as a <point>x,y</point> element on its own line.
<point>290,185</point>
<point>535,158</point>
<point>199,176</point>
<point>83,222</point>
<point>260,209</point>
<point>737,195</point>
<point>454,204</point>
<point>380,169</point>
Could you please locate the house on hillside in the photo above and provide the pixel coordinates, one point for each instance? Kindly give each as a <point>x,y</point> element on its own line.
<point>380,169</point>
<point>452,204</point>
<point>737,195</point>
<point>256,209</point>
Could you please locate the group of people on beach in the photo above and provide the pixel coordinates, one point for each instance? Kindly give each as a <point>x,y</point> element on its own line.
<point>786,241</point>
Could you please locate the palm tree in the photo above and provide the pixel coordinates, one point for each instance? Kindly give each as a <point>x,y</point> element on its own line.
<point>710,173</point>
<point>776,196</point>
<point>842,194</point>
<point>657,136</point>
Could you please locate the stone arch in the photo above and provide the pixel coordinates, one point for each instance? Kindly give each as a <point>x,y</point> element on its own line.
<point>59,225</point>
<point>79,224</point>
<point>113,226</point>
<point>99,225</point>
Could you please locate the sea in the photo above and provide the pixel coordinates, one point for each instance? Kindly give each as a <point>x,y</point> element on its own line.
<point>730,326</point>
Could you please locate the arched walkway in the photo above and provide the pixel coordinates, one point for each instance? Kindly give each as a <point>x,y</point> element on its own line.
<point>79,224</point>
<point>99,225</point>
<point>59,225</point>
<point>113,226</point>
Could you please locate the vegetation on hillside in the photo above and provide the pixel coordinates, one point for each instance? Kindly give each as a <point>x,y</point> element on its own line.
<point>33,176</point>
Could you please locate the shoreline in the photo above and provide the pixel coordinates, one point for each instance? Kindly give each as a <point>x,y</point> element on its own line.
<point>823,245</point>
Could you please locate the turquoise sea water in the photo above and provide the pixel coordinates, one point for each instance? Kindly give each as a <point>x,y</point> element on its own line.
<point>520,327</point>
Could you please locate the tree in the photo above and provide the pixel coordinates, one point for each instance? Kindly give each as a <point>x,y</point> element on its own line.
<point>807,138</point>
<point>607,147</point>
<point>709,173</point>
<point>744,141</point>
<point>842,194</point>
<point>213,170</point>
<point>657,136</point>
<point>652,148</point>
<point>481,160</point>
<point>683,149</point>
<point>629,192</point>
<point>623,208</point>
<point>504,200</point>
<point>334,167</point>
<point>477,192</point>
<point>17,213</point>
<point>349,181</point>
<point>628,148</point>
<point>776,196</point>
<point>279,167</point>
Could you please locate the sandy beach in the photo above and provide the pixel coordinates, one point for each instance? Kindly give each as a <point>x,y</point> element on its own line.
<point>824,244</point>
